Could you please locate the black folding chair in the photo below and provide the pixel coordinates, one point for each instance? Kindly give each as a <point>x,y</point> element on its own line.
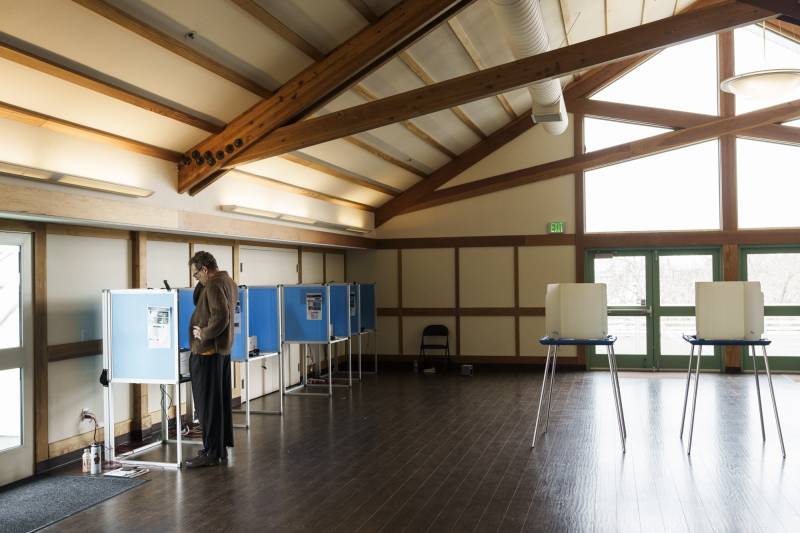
<point>438,331</point>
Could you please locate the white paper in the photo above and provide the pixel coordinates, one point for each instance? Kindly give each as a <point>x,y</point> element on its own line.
<point>352,304</point>
<point>237,319</point>
<point>159,332</point>
<point>314,306</point>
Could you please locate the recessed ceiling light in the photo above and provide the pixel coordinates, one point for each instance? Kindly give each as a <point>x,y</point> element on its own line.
<point>249,211</point>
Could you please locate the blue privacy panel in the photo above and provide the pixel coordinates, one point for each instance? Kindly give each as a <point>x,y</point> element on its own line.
<point>264,317</point>
<point>305,309</point>
<point>239,348</point>
<point>340,310</point>
<point>355,314</point>
<point>185,310</point>
<point>367,306</point>
<point>132,357</point>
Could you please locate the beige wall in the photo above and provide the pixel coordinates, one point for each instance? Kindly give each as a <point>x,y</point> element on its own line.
<point>486,277</point>
<point>78,269</point>
<point>428,277</point>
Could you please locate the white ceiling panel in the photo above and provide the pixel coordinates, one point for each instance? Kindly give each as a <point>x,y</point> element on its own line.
<point>65,28</point>
<point>657,10</point>
<point>584,19</point>
<point>394,139</point>
<point>39,92</point>
<point>345,155</point>
<point>325,25</point>
<point>394,78</point>
<point>226,33</point>
<point>283,170</point>
<point>624,14</point>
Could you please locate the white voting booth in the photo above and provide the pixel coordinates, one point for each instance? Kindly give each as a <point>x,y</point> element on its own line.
<point>576,311</point>
<point>729,310</point>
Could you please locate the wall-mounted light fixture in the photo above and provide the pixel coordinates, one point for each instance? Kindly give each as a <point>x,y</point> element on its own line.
<point>251,211</point>
<point>79,182</point>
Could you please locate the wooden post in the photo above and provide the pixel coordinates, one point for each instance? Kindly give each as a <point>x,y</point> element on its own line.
<point>40,361</point>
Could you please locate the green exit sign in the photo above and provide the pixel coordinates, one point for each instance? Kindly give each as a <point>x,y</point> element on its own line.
<point>555,227</point>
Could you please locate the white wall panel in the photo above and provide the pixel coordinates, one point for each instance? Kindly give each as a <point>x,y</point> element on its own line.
<point>486,277</point>
<point>487,335</point>
<point>168,261</point>
<point>429,277</point>
<point>540,265</point>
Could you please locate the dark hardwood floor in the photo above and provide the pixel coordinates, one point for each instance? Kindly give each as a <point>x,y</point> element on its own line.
<point>404,452</point>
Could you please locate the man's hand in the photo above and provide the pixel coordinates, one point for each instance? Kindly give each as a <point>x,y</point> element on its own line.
<point>197,333</point>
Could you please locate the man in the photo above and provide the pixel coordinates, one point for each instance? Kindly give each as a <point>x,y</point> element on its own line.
<point>212,331</point>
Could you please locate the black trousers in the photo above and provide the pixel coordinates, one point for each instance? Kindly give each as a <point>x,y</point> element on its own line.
<point>211,389</point>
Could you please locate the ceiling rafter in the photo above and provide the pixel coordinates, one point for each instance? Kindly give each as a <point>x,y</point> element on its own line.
<point>40,120</point>
<point>616,154</point>
<point>790,8</point>
<point>82,79</point>
<point>272,23</point>
<point>397,29</point>
<point>365,10</point>
<point>668,118</point>
<point>311,193</point>
<point>469,47</point>
<point>252,8</point>
<point>112,13</point>
<point>418,191</point>
<point>553,64</point>
<point>420,72</point>
<point>337,172</point>
<point>418,132</point>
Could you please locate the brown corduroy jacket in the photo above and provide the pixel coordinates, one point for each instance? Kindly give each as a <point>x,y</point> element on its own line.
<point>214,313</point>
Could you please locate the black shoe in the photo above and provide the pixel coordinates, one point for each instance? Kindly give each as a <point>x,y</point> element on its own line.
<point>202,452</point>
<point>201,460</point>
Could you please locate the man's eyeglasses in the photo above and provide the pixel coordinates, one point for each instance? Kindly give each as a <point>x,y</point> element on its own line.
<point>196,273</point>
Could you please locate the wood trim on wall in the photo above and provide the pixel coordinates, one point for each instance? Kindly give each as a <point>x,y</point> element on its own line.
<point>461,311</point>
<point>458,310</point>
<point>74,350</point>
<point>516,302</point>
<point>730,272</point>
<point>400,299</point>
<point>579,147</point>
<point>140,416</point>
<point>40,350</point>
<point>476,242</point>
<point>71,444</point>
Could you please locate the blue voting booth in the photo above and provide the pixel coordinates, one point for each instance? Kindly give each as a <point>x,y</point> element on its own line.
<point>258,316</point>
<point>308,318</point>
<point>140,345</point>
<point>239,351</point>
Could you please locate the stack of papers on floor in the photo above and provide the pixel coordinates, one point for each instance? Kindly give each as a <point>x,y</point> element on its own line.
<point>127,471</point>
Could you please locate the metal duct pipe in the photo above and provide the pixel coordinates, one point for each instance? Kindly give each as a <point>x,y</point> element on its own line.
<point>522,23</point>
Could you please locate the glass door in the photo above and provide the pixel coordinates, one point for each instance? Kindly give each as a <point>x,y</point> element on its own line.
<point>16,358</point>
<point>778,270</point>
<point>651,304</point>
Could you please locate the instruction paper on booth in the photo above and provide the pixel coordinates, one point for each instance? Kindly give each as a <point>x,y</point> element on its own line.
<point>159,332</point>
<point>314,306</point>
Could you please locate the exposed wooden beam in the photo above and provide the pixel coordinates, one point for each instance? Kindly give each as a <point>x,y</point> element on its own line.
<point>267,19</point>
<point>40,355</point>
<point>418,70</point>
<point>40,120</point>
<point>336,172</point>
<point>365,10</point>
<point>386,157</point>
<point>550,65</point>
<point>415,130</point>
<point>469,47</point>
<point>455,167</point>
<point>175,46</point>
<point>595,79</point>
<point>46,66</point>
<point>613,155</point>
<point>669,118</point>
<point>402,25</point>
<point>295,189</point>
<point>782,7</point>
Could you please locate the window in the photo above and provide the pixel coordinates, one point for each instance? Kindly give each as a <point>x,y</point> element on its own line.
<point>650,194</point>
<point>10,294</point>
<point>600,133</point>
<point>778,270</point>
<point>682,77</point>
<point>768,187</point>
<point>758,49</point>
<point>11,413</point>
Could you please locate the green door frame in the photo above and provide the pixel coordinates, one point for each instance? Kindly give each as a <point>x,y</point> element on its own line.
<point>784,363</point>
<point>652,309</point>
